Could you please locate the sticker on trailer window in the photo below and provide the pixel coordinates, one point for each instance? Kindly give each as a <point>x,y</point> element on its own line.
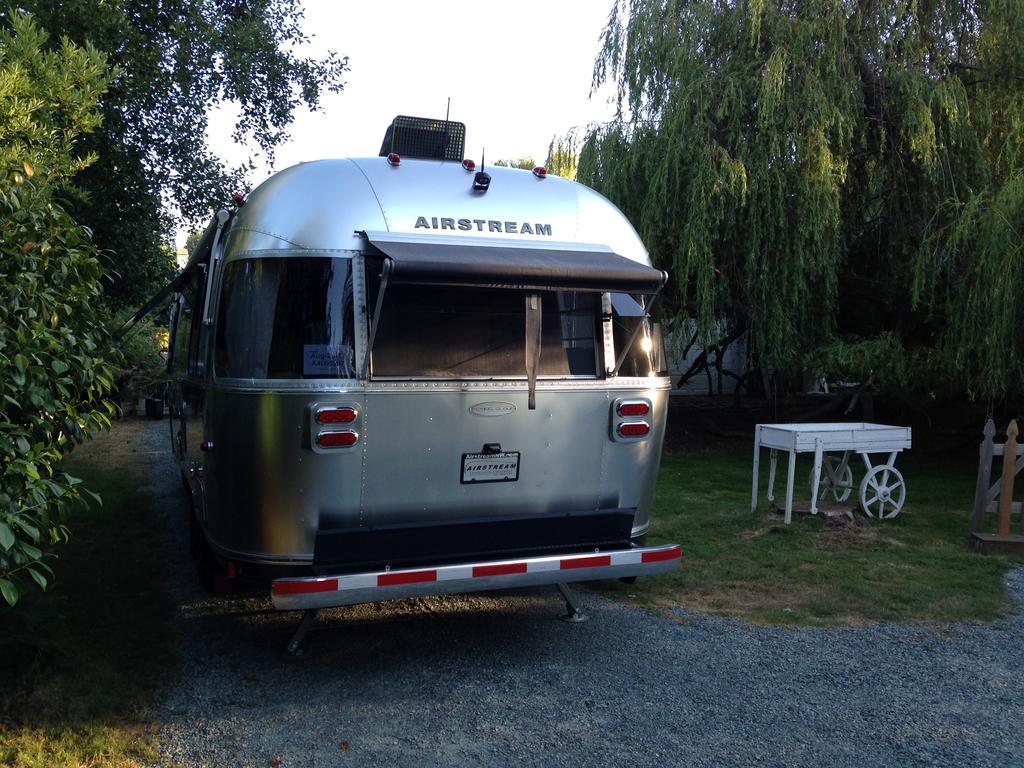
<point>325,359</point>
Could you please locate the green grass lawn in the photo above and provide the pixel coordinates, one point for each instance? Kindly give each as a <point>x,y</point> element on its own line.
<point>916,567</point>
<point>81,663</point>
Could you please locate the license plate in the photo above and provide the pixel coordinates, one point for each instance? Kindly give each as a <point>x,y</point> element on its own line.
<point>490,467</point>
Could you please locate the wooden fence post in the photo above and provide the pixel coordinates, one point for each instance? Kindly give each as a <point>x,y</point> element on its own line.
<point>1009,465</point>
<point>984,478</point>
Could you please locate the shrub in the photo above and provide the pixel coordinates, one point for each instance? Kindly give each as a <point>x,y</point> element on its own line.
<point>55,369</point>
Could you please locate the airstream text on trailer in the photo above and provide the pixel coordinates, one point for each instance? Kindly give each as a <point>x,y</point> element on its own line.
<point>402,376</point>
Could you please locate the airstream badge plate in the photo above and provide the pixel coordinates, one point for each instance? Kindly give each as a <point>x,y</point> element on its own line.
<point>496,408</point>
<point>490,467</point>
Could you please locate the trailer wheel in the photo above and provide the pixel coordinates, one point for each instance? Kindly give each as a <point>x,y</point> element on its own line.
<point>196,543</point>
<point>212,574</point>
<point>214,579</point>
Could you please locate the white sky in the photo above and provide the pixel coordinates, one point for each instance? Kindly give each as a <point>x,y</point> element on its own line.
<point>518,73</point>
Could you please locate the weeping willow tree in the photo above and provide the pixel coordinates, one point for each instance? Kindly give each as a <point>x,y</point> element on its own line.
<point>844,180</point>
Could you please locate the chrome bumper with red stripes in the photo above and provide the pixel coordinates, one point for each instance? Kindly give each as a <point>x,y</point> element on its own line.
<point>349,589</point>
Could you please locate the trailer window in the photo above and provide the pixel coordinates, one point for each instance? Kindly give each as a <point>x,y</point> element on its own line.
<point>183,355</point>
<point>444,332</point>
<point>286,318</point>
<point>182,327</point>
<point>646,357</point>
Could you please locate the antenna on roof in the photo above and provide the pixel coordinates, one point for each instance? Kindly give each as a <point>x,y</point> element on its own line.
<point>482,180</point>
<point>444,141</point>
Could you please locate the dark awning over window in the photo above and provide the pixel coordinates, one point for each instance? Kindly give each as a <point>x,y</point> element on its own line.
<point>465,261</point>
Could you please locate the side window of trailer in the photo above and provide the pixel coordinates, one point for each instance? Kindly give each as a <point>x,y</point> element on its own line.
<point>184,352</point>
<point>182,328</point>
<point>286,318</point>
<point>646,356</point>
<point>195,349</point>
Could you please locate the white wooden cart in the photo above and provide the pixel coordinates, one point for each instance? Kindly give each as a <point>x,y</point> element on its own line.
<point>882,489</point>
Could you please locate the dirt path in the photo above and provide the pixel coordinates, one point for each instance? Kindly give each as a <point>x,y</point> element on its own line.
<point>498,680</point>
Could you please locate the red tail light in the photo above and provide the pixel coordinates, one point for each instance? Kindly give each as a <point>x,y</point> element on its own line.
<point>634,409</point>
<point>469,165</point>
<point>540,172</point>
<point>634,429</point>
<point>336,415</point>
<point>394,158</point>
<point>337,439</point>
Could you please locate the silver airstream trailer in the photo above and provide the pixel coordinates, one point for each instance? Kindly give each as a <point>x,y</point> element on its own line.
<point>404,375</point>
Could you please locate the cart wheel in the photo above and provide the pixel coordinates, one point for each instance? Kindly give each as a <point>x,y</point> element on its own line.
<point>838,484</point>
<point>882,492</point>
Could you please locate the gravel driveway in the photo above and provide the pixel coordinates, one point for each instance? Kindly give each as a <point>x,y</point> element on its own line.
<point>499,681</point>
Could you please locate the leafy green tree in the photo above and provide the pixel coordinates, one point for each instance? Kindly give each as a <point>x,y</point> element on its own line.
<point>522,163</point>
<point>177,60</point>
<point>562,159</point>
<point>54,369</point>
<point>193,240</point>
<point>834,176</point>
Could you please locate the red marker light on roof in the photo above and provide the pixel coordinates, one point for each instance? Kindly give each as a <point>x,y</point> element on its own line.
<point>540,172</point>
<point>469,165</point>
<point>394,158</point>
<point>239,199</point>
